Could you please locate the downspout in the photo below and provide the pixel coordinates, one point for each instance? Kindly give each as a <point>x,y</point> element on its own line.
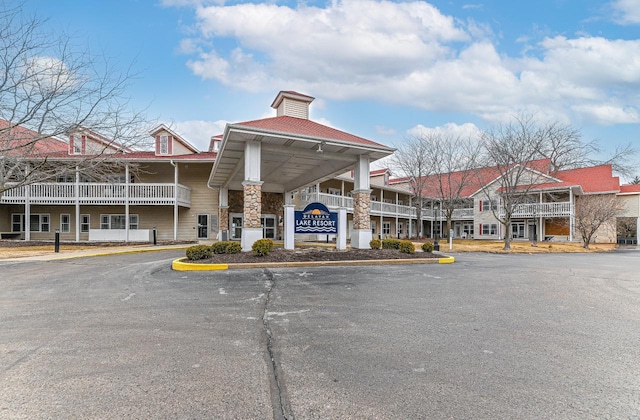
<point>175,199</point>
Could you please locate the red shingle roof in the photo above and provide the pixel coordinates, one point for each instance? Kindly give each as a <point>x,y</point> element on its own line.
<point>304,127</point>
<point>20,141</point>
<point>634,188</point>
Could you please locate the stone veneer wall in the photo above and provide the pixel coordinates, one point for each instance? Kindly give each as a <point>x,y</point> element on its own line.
<point>252,206</point>
<point>361,206</point>
<point>271,203</point>
<point>223,223</point>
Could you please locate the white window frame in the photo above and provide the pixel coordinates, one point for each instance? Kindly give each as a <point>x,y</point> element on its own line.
<point>489,205</point>
<point>334,191</point>
<point>68,178</point>
<point>77,144</point>
<point>164,145</point>
<point>85,223</point>
<point>43,222</point>
<point>386,228</point>
<point>65,226</point>
<point>107,221</point>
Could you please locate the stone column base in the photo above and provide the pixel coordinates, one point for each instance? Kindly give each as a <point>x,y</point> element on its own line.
<point>360,238</point>
<point>249,236</point>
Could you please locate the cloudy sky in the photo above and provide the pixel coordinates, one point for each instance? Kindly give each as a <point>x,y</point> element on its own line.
<point>378,69</point>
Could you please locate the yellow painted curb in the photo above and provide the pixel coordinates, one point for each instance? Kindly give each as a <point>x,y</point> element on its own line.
<point>446,260</point>
<point>180,265</point>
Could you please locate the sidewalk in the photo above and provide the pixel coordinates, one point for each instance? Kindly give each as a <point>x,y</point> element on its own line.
<point>94,252</point>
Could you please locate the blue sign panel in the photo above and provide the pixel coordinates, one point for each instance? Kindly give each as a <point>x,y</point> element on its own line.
<point>316,218</point>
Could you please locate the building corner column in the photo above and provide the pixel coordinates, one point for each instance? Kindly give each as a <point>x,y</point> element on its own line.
<point>341,243</point>
<point>223,213</point>
<point>361,235</point>
<point>251,224</point>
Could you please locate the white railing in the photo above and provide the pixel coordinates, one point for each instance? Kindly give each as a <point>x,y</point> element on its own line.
<point>377,208</point>
<point>559,209</point>
<point>99,194</point>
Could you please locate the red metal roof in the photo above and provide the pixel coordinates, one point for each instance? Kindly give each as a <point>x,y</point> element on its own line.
<point>304,127</point>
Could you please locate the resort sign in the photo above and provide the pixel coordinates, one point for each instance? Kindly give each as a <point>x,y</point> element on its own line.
<point>316,218</point>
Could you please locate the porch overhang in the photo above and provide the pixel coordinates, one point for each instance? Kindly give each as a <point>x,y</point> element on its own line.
<point>288,161</point>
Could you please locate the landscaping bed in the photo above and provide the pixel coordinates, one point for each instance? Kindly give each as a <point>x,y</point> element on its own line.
<point>313,254</point>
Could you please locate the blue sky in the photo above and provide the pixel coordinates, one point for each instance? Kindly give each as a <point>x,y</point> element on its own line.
<point>382,70</point>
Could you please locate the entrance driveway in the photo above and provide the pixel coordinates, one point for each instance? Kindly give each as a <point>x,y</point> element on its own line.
<point>491,336</point>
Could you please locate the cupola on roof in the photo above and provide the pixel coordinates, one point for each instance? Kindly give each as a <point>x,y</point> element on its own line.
<point>292,104</point>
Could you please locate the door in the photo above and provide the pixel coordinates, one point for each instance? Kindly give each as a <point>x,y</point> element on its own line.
<point>236,227</point>
<point>268,223</point>
<point>203,226</point>
<point>532,231</point>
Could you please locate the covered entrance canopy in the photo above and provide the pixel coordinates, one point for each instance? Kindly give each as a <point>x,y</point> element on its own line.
<point>286,153</point>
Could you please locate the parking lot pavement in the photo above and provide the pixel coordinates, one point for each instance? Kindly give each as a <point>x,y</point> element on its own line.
<point>492,336</point>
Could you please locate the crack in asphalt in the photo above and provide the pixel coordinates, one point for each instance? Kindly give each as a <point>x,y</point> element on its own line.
<point>281,407</point>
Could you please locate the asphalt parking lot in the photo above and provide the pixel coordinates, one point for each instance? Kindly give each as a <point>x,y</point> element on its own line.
<point>491,336</point>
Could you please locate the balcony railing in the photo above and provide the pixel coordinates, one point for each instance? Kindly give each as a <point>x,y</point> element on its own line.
<point>99,194</point>
<point>377,208</point>
<point>559,209</point>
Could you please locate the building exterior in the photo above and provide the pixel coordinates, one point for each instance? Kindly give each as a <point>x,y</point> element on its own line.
<point>251,178</point>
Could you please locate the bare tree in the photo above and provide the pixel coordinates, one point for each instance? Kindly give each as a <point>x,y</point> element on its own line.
<point>563,145</point>
<point>48,90</point>
<point>593,212</point>
<point>412,159</point>
<point>512,149</point>
<point>453,160</point>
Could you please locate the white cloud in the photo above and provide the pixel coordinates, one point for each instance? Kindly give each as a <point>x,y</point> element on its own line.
<point>198,133</point>
<point>465,131</point>
<point>385,131</point>
<point>627,12</point>
<point>409,53</point>
<point>608,114</point>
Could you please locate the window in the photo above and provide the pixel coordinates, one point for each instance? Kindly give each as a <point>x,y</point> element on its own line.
<point>65,223</point>
<point>373,227</point>
<point>117,221</point>
<point>77,144</point>
<point>490,229</point>
<point>66,178</point>
<point>399,228</point>
<point>386,228</point>
<point>85,223</point>
<point>334,191</point>
<point>488,205</point>
<point>164,145</point>
<point>374,198</point>
<point>37,222</point>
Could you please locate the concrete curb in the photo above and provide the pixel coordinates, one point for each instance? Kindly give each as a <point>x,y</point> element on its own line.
<point>180,264</point>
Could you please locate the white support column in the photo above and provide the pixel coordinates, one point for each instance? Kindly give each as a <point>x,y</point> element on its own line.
<point>341,243</point>
<point>381,214</point>
<point>289,226</point>
<point>361,234</point>
<point>175,201</point>
<point>342,199</point>
<point>409,219</point>
<point>27,208</point>
<point>571,217</point>
<point>126,202</point>
<point>397,236</point>
<point>252,184</point>
<point>77,198</point>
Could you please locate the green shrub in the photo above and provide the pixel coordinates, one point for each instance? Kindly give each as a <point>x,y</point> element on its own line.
<point>391,243</point>
<point>220,247</point>
<point>233,248</point>
<point>407,247</point>
<point>375,244</point>
<point>427,247</point>
<point>262,247</point>
<point>198,252</point>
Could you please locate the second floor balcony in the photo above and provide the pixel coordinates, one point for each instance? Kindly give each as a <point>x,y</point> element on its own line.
<point>89,193</point>
<point>534,210</point>
<point>377,208</point>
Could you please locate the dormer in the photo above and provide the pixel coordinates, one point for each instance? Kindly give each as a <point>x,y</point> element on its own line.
<point>169,143</point>
<point>77,144</point>
<point>214,144</point>
<point>83,141</point>
<point>292,104</point>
